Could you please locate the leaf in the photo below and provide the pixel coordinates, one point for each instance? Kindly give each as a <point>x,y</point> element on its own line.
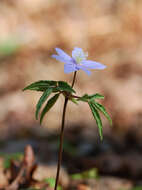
<point>51,182</point>
<point>96,96</point>
<point>84,98</point>
<point>97,118</point>
<point>103,110</point>
<point>74,101</point>
<point>89,174</point>
<point>41,85</point>
<point>42,99</point>
<point>77,176</point>
<point>48,106</point>
<point>64,86</point>
<point>92,173</point>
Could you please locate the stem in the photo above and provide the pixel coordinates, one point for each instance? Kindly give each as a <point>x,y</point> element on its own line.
<point>74,77</point>
<point>62,136</point>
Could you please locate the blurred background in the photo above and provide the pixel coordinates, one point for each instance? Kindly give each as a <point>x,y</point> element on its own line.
<point>111,32</point>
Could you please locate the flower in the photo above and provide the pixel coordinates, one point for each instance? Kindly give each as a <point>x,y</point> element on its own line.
<point>77,61</point>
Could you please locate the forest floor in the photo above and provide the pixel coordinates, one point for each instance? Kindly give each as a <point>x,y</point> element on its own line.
<point>88,164</point>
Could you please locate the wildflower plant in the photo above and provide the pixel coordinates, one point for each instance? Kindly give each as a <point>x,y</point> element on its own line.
<point>77,62</point>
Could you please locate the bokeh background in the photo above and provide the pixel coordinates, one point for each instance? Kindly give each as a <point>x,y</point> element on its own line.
<point>110,31</point>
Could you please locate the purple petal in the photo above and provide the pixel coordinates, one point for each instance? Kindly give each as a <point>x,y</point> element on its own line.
<point>84,69</point>
<point>68,68</point>
<point>62,54</point>
<point>58,58</point>
<point>93,64</point>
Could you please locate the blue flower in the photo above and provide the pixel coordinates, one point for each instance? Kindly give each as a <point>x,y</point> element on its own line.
<point>77,61</point>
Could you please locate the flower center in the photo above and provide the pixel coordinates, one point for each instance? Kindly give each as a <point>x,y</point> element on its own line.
<point>81,56</point>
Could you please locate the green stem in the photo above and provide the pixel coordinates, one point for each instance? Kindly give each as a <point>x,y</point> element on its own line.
<point>62,136</point>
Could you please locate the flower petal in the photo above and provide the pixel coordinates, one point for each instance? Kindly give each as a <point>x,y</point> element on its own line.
<point>68,68</point>
<point>84,69</point>
<point>62,54</point>
<point>93,64</point>
<point>58,58</point>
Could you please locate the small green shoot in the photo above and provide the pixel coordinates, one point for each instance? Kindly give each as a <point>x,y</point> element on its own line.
<point>90,174</point>
<point>51,182</point>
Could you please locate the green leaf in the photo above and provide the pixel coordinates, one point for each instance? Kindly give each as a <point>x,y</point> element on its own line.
<point>97,118</point>
<point>51,182</point>
<point>64,86</point>
<point>41,85</point>
<point>77,176</point>
<point>74,101</point>
<point>103,110</point>
<point>42,99</point>
<point>89,174</point>
<point>84,98</point>
<point>96,96</point>
<point>48,106</point>
<point>92,173</point>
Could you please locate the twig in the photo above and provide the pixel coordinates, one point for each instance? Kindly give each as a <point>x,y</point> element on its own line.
<point>14,185</point>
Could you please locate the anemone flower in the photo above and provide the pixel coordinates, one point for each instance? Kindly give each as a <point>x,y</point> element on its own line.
<point>77,61</point>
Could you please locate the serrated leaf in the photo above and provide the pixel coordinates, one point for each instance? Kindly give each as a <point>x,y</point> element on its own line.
<point>48,106</point>
<point>41,85</point>
<point>96,96</point>
<point>103,110</point>
<point>97,118</point>
<point>84,98</point>
<point>41,89</point>
<point>64,86</point>
<point>42,99</point>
